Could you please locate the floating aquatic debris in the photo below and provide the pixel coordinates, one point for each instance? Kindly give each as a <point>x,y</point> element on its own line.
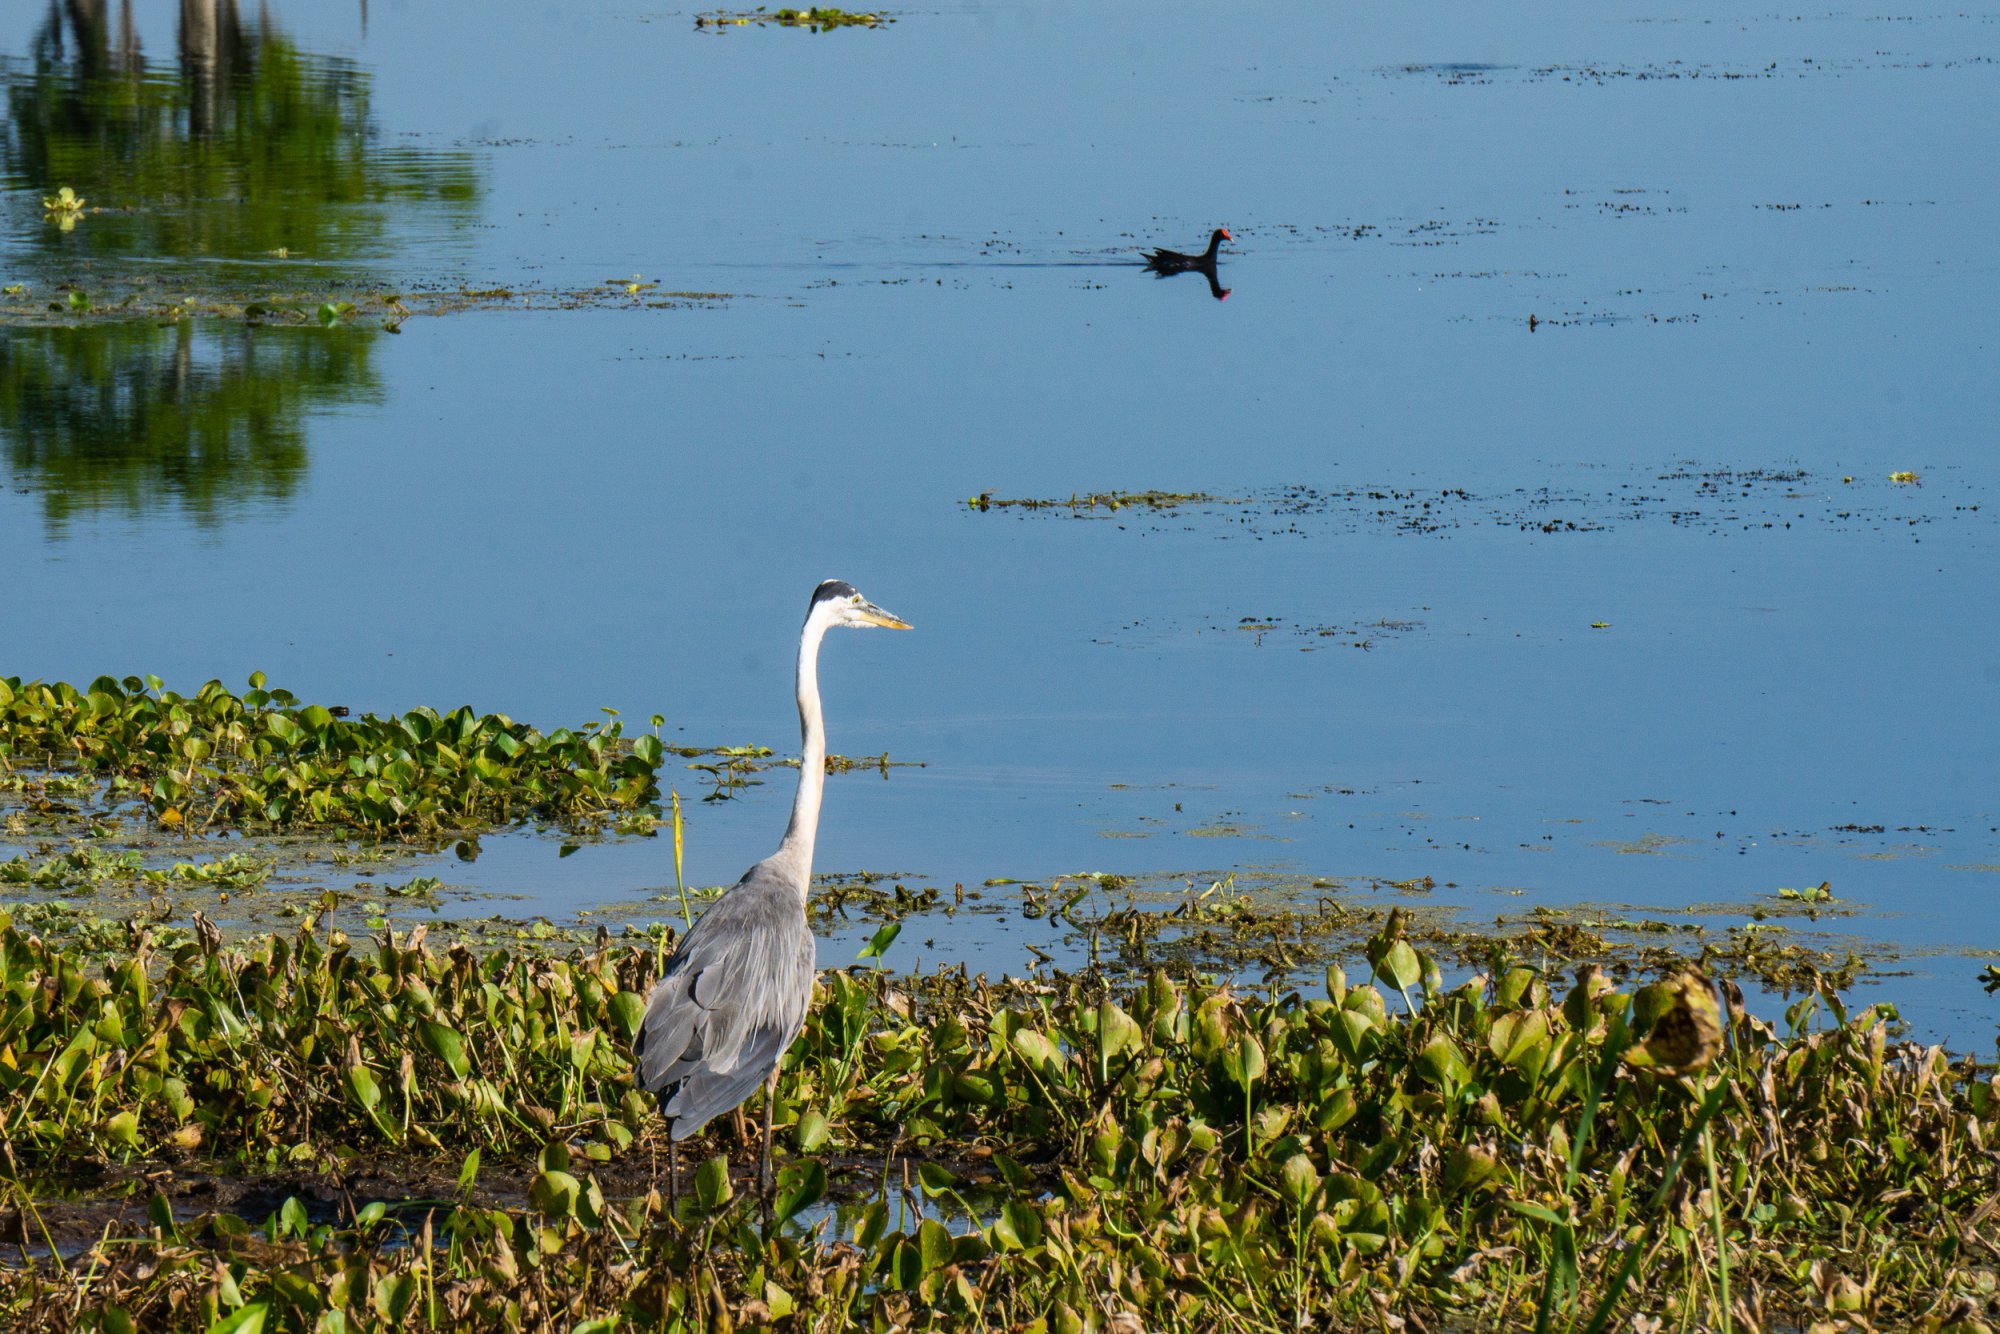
<point>1106,500</point>
<point>63,208</point>
<point>142,298</point>
<point>818,20</point>
<point>1716,500</point>
<point>1305,636</point>
<point>1820,893</point>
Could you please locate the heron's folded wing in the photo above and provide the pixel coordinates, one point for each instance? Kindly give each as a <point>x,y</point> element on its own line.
<point>666,1032</point>
<point>744,1036</point>
<point>732,999</point>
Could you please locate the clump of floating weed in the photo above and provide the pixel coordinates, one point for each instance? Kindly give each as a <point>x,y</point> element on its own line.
<point>1106,500</point>
<point>1519,1149</point>
<point>731,769</point>
<point>83,866</point>
<point>267,756</point>
<point>64,207</point>
<point>819,20</point>
<point>137,299</point>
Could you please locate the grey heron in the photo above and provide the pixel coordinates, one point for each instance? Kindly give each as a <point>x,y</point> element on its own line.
<point>734,992</point>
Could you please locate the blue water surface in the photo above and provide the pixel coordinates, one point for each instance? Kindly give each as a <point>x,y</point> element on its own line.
<point>1648,305</point>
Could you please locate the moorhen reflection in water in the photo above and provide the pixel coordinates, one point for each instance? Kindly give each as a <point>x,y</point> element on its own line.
<point>1164,263</point>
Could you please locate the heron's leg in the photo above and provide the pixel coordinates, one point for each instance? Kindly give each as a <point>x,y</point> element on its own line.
<point>764,1173</point>
<point>673,1178</point>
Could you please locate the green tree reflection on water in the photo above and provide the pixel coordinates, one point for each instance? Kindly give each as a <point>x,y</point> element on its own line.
<point>244,147</point>
<point>242,168</point>
<point>203,420</point>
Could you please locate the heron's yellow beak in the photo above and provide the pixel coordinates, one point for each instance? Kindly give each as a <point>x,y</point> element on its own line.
<point>874,615</point>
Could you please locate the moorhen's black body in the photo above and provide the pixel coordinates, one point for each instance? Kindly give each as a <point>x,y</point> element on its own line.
<point>1165,262</point>
<point>1173,261</point>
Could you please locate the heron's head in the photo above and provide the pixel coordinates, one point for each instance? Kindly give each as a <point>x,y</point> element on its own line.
<point>841,603</point>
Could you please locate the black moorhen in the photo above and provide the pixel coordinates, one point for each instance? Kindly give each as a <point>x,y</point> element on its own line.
<point>1173,261</point>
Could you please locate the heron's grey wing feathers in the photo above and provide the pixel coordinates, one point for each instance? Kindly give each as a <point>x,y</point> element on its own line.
<point>708,987</point>
<point>732,998</point>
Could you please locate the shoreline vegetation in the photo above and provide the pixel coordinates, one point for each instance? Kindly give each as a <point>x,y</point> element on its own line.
<point>1511,1152</point>
<point>304,1127</point>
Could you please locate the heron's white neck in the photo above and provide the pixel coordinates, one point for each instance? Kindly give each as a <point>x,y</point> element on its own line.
<point>799,834</point>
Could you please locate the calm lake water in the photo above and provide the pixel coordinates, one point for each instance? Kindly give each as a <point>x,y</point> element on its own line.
<point>1616,605</point>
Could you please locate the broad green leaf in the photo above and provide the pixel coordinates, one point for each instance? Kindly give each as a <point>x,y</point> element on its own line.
<point>1400,967</point>
<point>711,1183</point>
<point>934,1245</point>
<point>123,1129</point>
<point>243,1320</point>
<point>1521,1040</point>
<point>445,1044</point>
<point>1037,1050</point>
<point>800,1187</point>
<point>813,1132</point>
<point>367,1091</point>
<point>1466,1167</point>
<point>881,941</point>
<point>780,1301</point>
<point>1116,1031</point>
<point>1244,1062</point>
<point>1301,1178</point>
<point>393,1294</point>
<point>555,1193</point>
<point>1023,1221</point>
<point>1442,1063</point>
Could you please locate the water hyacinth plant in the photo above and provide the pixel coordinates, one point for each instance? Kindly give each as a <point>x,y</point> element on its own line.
<point>264,756</point>
<point>63,208</point>
<point>84,866</point>
<point>1510,1152</point>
